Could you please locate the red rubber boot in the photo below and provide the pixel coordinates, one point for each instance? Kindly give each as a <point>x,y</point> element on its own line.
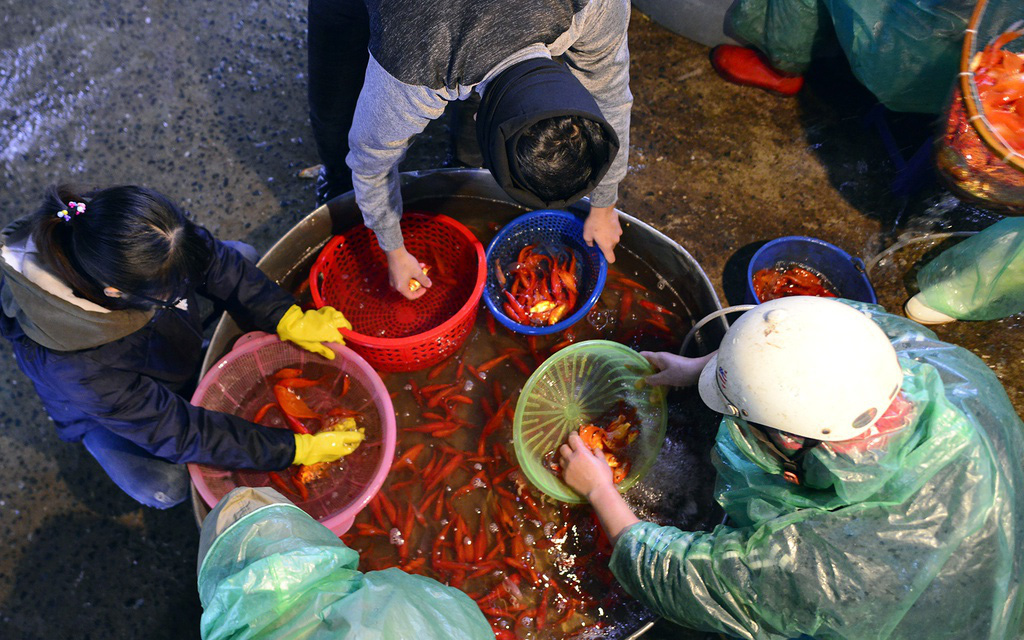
<point>746,66</point>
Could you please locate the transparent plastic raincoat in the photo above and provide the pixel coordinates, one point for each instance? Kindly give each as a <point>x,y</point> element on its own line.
<point>267,570</point>
<point>914,533</point>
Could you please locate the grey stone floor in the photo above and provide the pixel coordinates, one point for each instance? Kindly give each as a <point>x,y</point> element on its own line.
<point>206,102</point>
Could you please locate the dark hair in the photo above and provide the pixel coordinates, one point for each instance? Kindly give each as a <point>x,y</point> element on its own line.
<point>131,238</point>
<point>556,157</point>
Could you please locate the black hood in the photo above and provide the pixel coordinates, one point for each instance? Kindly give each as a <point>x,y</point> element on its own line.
<point>520,96</point>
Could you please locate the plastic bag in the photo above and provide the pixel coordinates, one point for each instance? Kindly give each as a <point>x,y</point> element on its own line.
<point>787,31</point>
<point>919,536</point>
<point>906,52</point>
<point>980,278</point>
<point>268,570</point>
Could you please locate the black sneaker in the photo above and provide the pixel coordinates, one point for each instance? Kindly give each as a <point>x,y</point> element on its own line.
<point>328,188</point>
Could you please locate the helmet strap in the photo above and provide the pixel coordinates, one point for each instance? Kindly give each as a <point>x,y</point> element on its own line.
<point>792,467</point>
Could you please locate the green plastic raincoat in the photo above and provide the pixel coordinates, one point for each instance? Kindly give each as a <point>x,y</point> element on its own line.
<point>917,533</point>
<point>906,52</point>
<point>267,570</point>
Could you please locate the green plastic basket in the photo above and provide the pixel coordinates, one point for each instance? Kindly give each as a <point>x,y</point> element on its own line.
<point>573,388</point>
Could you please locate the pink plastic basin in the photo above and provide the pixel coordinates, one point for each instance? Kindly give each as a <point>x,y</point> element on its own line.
<point>241,382</point>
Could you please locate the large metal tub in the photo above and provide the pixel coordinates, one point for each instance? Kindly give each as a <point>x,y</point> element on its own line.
<point>678,489</point>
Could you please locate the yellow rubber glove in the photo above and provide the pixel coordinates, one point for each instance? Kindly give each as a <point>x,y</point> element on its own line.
<point>326,446</point>
<point>311,328</point>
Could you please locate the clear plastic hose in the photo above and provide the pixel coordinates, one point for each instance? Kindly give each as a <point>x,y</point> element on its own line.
<point>712,316</point>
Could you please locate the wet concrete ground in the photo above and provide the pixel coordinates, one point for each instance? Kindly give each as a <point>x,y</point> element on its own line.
<point>206,102</point>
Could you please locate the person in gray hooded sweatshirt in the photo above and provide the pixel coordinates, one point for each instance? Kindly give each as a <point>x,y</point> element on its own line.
<point>549,132</point>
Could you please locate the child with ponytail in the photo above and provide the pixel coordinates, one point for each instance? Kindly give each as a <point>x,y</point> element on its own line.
<point>99,299</point>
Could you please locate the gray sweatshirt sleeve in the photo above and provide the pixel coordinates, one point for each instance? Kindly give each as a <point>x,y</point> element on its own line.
<point>600,60</point>
<point>388,114</point>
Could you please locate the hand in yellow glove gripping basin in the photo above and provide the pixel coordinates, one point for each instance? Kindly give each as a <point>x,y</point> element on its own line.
<point>310,329</point>
<point>327,446</point>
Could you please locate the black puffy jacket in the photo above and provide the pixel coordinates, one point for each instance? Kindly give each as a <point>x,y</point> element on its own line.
<point>125,372</point>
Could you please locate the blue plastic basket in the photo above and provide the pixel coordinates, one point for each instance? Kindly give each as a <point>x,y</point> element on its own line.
<point>547,228</point>
<point>846,273</point>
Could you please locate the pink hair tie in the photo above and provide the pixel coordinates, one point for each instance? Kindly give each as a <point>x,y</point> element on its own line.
<point>77,207</point>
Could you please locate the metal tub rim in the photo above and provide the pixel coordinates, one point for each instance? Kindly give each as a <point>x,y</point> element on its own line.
<point>295,251</point>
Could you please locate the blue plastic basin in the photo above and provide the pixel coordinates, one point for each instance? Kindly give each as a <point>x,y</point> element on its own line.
<point>844,272</point>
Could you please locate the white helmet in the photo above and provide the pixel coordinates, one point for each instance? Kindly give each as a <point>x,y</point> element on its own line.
<point>808,366</point>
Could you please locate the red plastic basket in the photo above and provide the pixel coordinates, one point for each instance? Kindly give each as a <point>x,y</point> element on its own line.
<point>389,331</point>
